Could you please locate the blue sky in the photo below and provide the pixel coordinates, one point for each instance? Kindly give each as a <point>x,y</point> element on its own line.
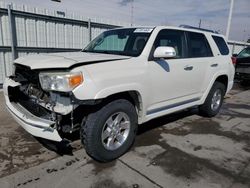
<point>213,13</point>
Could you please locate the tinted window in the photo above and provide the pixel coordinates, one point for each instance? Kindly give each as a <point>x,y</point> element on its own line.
<point>173,38</point>
<point>221,44</point>
<point>244,53</point>
<point>198,45</point>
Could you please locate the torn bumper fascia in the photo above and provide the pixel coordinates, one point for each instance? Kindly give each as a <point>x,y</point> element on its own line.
<point>34,125</point>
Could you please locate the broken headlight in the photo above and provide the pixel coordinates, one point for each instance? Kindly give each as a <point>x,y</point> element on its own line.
<point>60,81</point>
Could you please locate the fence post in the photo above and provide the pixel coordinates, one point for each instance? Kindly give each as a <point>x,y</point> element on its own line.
<point>89,29</point>
<point>233,48</point>
<point>12,28</point>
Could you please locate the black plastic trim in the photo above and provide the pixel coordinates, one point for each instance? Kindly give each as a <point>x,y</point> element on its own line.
<point>90,102</point>
<point>94,62</point>
<point>156,110</point>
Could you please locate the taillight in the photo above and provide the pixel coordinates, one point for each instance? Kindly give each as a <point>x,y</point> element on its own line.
<point>234,60</point>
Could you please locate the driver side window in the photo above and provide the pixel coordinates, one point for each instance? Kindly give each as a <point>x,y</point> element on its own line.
<point>172,38</point>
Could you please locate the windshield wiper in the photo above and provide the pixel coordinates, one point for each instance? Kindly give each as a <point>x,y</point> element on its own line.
<point>86,51</point>
<point>107,52</point>
<point>101,52</point>
<point>90,51</point>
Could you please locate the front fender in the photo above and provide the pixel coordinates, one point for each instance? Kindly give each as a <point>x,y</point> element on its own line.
<point>104,93</point>
<point>118,89</point>
<point>131,87</point>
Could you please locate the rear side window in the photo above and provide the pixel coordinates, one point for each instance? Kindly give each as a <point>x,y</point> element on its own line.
<point>221,44</point>
<point>198,45</point>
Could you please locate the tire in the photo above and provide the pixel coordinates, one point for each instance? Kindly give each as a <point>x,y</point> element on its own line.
<point>210,109</point>
<point>102,122</point>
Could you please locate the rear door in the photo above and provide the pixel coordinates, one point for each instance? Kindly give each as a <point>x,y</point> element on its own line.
<point>200,56</point>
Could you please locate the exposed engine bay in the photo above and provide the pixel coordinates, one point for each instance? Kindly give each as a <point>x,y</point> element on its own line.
<point>55,106</point>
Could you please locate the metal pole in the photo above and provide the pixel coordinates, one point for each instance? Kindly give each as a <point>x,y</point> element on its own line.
<point>89,28</point>
<point>229,18</point>
<point>200,23</point>
<point>244,33</point>
<point>233,48</point>
<point>132,12</point>
<point>12,28</point>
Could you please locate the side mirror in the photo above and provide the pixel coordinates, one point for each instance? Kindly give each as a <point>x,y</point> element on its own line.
<point>164,52</point>
<point>235,55</point>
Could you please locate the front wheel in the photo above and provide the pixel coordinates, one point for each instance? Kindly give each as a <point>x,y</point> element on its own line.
<point>110,131</point>
<point>213,102</point>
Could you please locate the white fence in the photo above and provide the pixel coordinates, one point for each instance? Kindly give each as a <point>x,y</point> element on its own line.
<point>26,30</point>
<point>236,46</point>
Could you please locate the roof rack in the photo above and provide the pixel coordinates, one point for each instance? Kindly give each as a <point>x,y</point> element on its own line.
<point>197,28</point>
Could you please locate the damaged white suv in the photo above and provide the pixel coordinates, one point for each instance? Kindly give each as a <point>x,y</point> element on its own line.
<point>123,78</point>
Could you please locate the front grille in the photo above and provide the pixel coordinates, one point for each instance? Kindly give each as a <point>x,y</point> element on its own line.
<point>29,91</point>
<point>35,109</point>
<point>25,74</point>
<point>16,96</point>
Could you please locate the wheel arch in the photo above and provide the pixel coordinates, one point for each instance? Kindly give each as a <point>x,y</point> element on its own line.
<point>222,79</point>
<point>133,96</point>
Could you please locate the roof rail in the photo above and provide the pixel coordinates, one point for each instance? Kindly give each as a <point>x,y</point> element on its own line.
<point>197,28</point>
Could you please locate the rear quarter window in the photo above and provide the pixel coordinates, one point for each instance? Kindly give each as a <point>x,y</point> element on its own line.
<point>221,44</point>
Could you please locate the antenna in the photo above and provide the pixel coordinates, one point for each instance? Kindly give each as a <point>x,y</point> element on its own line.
<point>132,12</point>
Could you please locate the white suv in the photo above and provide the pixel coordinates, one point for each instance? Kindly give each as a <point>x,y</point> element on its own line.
<point>123,78</point>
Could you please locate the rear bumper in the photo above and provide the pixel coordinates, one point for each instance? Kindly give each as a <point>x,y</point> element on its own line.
<point>242,76</point>
<point>34,125</point>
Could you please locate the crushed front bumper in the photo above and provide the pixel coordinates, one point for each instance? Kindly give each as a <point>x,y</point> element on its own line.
<point>34,125</point>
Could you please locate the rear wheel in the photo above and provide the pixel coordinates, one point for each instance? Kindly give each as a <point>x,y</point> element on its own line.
<point>214,100</point>
<point>110,131</point>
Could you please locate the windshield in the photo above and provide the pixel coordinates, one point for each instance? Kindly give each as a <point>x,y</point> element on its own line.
<point>129,42</point>
<point>244,53</point>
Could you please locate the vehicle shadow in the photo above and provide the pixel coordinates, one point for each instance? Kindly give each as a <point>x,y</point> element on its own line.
<point>61,148</point>
<point>159,122</point>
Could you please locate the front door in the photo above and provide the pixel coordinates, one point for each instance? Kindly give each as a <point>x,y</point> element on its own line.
<point>178,80</point>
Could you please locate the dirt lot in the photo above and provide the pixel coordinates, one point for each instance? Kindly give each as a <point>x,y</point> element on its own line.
<point>180,150</point>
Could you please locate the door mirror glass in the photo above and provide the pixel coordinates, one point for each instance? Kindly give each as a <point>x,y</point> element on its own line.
<point>164,52</point>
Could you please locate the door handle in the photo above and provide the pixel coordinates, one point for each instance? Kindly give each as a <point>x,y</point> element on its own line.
<point>188,68</point>
<point>214,65</point>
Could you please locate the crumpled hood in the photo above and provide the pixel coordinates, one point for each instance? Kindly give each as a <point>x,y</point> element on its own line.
<point>65,60</point>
